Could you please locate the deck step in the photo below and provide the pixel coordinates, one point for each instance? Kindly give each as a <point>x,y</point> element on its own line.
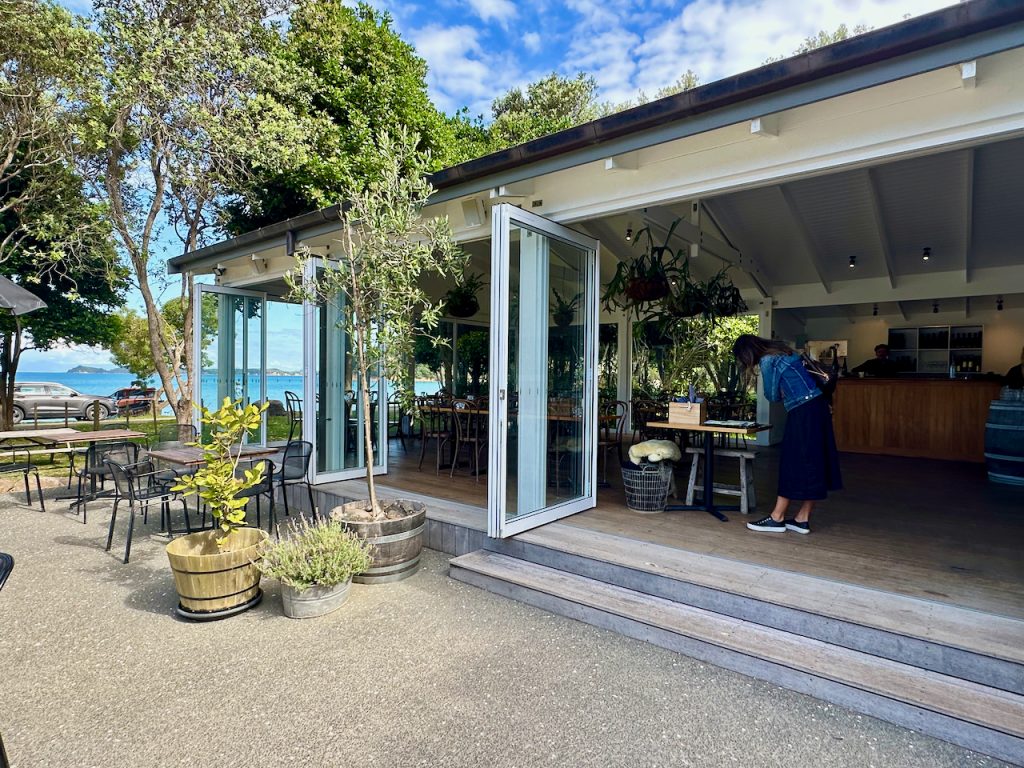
<point>974,716</point>
<point>959,642</point>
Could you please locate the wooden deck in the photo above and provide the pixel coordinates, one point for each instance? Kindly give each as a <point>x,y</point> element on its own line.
<point>927,529</point>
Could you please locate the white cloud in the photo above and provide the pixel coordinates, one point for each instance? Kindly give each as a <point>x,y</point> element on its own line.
<point>501,11</point>
<point>531,41</point>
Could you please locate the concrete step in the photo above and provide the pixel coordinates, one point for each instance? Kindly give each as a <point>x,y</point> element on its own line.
<point>974,716</point>
<point>959,642</point>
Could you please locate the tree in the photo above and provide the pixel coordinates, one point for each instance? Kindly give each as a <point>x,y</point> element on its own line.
<point>551,104</point>
<point>64,256</point>
<point>362,79</point>
<point>384,247</point>
<point>181,116</point>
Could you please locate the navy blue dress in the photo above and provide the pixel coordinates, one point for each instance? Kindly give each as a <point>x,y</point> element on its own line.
<point>808,459</point>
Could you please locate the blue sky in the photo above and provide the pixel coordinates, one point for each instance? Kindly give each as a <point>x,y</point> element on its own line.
<point>478,49</point>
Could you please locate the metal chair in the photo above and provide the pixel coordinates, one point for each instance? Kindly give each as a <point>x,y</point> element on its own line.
<point>609,432</point>
<point>293,404</point>
<point>173,436</point>
<point>265,486</point>
<point>25,468</point>
<point>470,431</point>
<point>295,471</point>
<point>97,469</point>
<point>397,420</point>
<point>435,424</point>
<point>136,484</point>
<point>6,566</point>
<point>177,433</point>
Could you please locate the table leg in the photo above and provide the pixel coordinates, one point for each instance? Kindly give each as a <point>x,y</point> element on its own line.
<point>707,502</point>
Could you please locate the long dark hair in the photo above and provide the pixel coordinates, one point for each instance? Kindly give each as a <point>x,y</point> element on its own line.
<point>749,350</point>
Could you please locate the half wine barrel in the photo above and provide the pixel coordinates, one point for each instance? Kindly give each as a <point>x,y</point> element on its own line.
<point>213,582</point>
<point>1004,442</point>
<point>396,543</point>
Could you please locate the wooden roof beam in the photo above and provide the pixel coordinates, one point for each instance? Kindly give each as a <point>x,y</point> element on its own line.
<point>804,235</point>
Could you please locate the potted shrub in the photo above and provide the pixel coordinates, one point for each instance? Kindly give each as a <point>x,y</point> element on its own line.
<point>214,571</point>
<point>386,244</point>
<point>314,562</point>
<point>461,301</point>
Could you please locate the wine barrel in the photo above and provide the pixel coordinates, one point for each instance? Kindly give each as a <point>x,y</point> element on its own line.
<point>1004,442</point>
<point>215,582</point>
<point>397,543</point>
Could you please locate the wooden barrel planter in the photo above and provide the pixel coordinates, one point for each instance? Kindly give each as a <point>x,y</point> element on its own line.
<point>1004,442</point>
<point>397,542</point>
<point>215,583</point>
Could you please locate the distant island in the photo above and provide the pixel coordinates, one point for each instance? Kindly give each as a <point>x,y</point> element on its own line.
<point>94,369</point>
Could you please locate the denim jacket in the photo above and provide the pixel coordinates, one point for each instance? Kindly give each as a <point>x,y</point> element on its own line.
<point>786,380</point>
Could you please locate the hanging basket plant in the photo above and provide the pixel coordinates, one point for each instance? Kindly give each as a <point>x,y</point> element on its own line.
<point>461,301</point>
<point>564,311</point>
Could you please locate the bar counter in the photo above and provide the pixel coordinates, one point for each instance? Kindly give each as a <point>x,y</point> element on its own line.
<point>932,418</point>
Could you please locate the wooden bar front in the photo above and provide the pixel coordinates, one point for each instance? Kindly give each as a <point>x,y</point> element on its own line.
<point>932,418</point>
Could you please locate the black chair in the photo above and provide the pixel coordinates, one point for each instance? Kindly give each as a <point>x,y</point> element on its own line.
<point>96,470</point>
<point>13,466</point>
<point>265,486</point>
<point>183,434</point>
<point>435,424</point>
<point>6,566</point>
<point>293,404</point>
<point>295,471</point>
<point>610,426</point>
<point>470,432</point>
<point>173,436</point>
<point>137,485</point>
<point>398,421</point>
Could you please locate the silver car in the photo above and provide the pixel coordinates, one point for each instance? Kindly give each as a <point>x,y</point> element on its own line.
<point>49,400</point>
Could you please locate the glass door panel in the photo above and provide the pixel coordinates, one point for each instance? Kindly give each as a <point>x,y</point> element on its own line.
<point>336,418</point>
<point>230,331</point>
<point>544,354</point>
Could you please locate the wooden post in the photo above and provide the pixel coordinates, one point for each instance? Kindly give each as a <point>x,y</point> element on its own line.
<point>96,415</point>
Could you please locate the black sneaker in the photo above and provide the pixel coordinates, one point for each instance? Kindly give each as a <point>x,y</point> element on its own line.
<point>767,525</point>
<point>795,527</point>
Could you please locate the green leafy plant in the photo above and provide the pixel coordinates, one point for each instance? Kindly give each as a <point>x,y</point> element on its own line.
<point>564,311</point>
<point>218,482</point>
<point>461,300</point>
<point>320,553</point>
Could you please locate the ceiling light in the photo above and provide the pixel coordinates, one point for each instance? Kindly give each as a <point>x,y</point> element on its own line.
<point>853,261</point>
<point>935,307</point>
<point>999,303</point>
<point>926,254</point>
<point>629,233</point>
<point>874,310</point>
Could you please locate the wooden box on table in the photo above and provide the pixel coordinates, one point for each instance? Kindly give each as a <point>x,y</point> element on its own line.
<point>687,413</point>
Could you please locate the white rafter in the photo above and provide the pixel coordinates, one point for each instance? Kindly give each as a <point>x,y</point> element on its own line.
<point>880,226</point>
<point>804,234</point>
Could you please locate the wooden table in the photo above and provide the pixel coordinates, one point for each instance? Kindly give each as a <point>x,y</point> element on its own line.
<point>190,456</point>
<point>707,503</point>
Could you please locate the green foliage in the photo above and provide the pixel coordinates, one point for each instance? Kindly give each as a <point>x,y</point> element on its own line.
<point>551,104</point>
<point>461,299</point>
<point>474,350</point>
<point>218,482</point>
<point>130,347</point>
<point>385,245</point>
<point>322,553</point>
<point>360,80</point>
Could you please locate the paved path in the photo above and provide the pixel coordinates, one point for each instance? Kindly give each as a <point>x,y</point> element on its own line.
<point>428,672</point>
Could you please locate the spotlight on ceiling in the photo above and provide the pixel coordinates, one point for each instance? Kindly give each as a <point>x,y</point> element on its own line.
<point>999,303</point>
<point>853,261</point>
<point>629,233</point>
<point>935,307</point>
<point>874,310</point>
<point>926,253</point>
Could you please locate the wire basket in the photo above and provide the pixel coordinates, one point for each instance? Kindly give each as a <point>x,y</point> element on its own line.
<point>647,486</point>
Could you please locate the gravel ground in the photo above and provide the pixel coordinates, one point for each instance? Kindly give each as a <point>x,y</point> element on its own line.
<point>96,671</point>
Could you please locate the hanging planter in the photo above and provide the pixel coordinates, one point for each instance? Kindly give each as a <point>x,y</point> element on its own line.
<point>565,310</point>
<point>461,301</point>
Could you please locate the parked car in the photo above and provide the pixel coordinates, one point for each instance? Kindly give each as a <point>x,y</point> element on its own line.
<point>47,400</point>
<point>134,400</point>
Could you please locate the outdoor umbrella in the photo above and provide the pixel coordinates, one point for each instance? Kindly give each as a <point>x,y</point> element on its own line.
<point>16,299</point>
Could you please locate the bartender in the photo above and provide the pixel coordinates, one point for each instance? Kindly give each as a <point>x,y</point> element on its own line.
<point>880,366</point>
<point>1014,377</point>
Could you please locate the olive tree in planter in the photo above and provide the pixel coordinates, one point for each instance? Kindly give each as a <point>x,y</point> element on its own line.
<point>385,245</point>
<point>214,571</point>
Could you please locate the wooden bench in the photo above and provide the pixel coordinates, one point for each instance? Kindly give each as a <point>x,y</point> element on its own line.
<point>744,490</point>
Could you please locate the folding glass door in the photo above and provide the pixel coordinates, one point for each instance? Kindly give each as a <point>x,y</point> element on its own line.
<point>230,332</point>
<point>543,383</point>
<point>333,412</point>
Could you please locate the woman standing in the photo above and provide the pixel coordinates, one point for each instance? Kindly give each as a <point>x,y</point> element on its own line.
<point>808,460</point>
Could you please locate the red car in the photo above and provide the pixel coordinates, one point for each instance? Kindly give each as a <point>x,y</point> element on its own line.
<point>134,400</point>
